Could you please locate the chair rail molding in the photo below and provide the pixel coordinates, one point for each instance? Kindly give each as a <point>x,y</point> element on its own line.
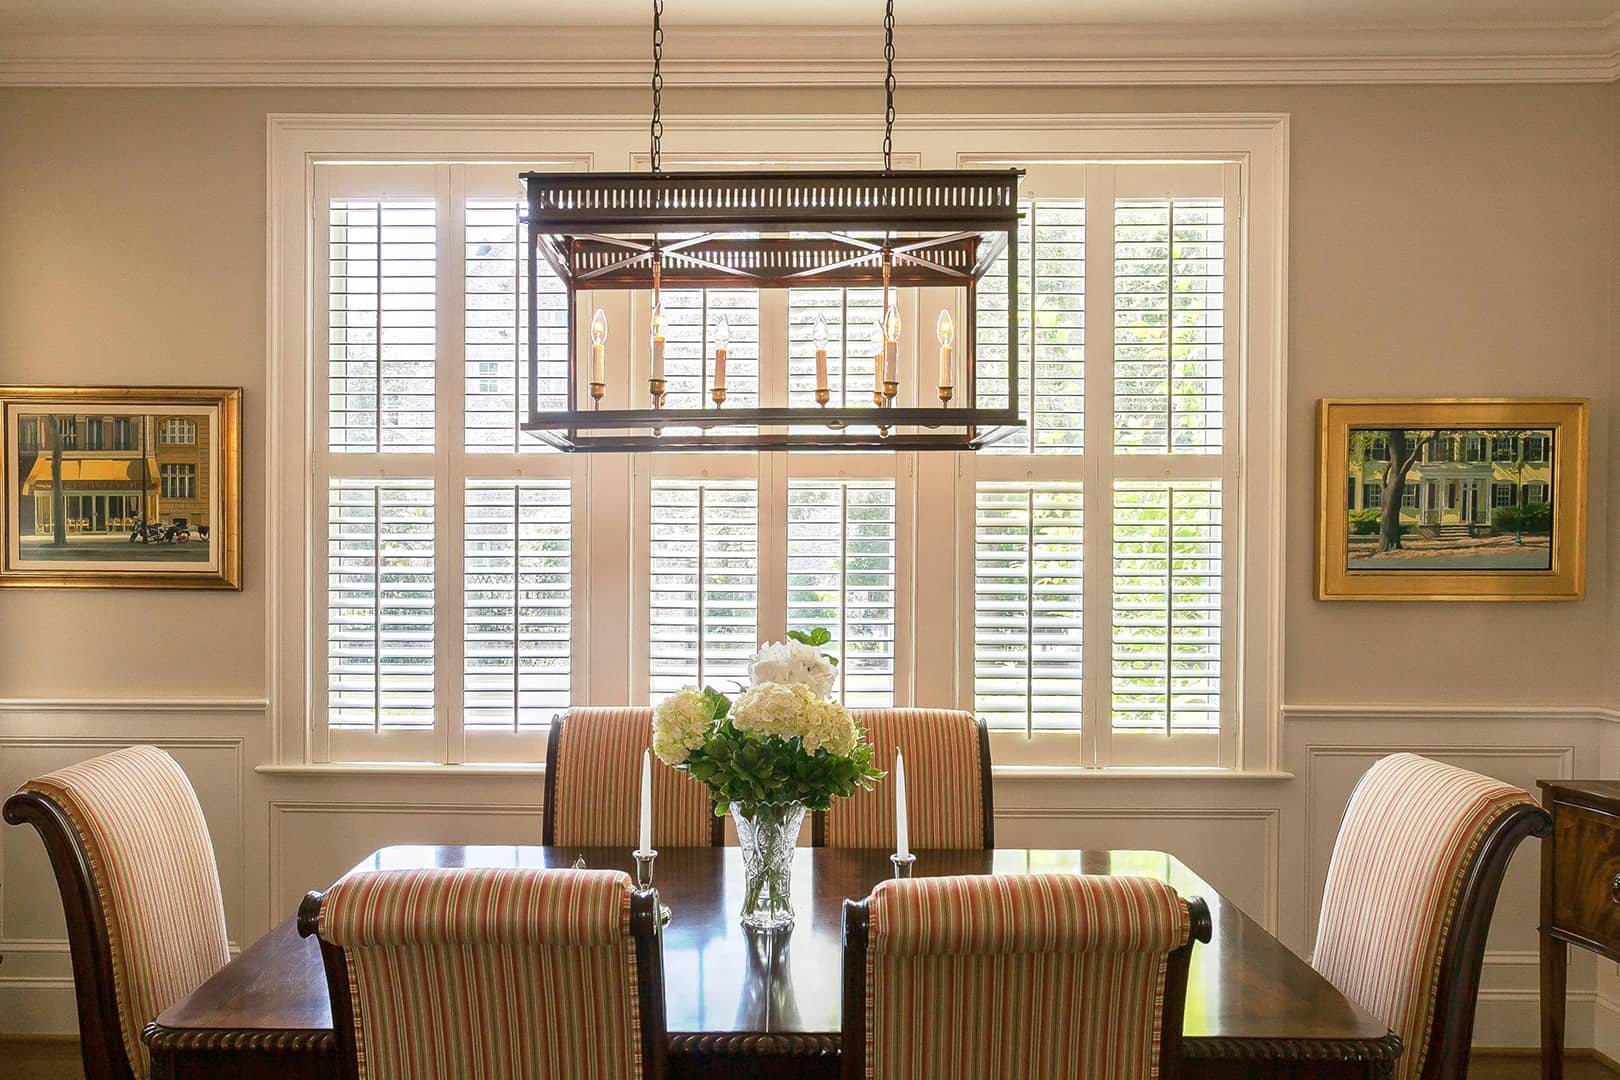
<point>1164,54</point>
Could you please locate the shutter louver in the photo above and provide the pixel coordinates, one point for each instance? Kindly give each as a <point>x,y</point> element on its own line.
<point>497,335</point>
<point>379,624</point>
<point>1051,355</point>
<point>1028,591</point>
<point>1169,326</point>
<point>703,583</point>
<point>381,304</point>
<point>690,316</point>
<point>850,315</point>
<point>1167,606</point>
<point>841,575</point>
<point>517,592</point>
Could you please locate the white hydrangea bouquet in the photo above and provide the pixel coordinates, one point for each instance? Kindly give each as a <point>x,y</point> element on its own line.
<point>781,748</point>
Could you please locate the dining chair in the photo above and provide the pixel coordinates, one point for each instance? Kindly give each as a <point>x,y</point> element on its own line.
<point>1410,890</point>
<point>140,891</point>
<point>948,795</point>
<point>1018,976</point>
<point>593,785</point>
<point>493,972</point>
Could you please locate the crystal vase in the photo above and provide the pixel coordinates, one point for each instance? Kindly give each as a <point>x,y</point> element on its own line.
<point>767,837</point>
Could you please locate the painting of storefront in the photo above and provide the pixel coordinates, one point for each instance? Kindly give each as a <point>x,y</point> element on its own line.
<point>1467,499</point>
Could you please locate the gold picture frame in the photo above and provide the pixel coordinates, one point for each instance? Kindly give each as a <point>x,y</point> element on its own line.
<point>121,487</point>
<point>1451,499</point>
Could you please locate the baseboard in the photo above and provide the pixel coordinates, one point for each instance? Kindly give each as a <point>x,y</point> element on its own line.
<point>38,1006</point>
<point>1606,1027</point>
<point>1508,1020</point>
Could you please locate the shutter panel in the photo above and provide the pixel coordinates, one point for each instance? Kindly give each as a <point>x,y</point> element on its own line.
<point>850,315</point>
<point>1028,591</point>
<point>1169,325</point>
<point>841,575</point>
<point>1167,606</point>
<point>497,334</point>
<point>703,583</point>
<point>379,622</point>
<point>517,593</point>
<point>1051,298</point>
<point>381,303</point>
<point>689,317</point>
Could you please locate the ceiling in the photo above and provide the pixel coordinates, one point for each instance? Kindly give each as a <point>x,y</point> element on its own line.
<point>78,15</point>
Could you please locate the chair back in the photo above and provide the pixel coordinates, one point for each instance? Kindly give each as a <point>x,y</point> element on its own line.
<point>1017,976</point>
<point>140,890</point>
<point>948,797</point>
<point>593,785</point>
<point>1410,889</point>
<point>518,974</point>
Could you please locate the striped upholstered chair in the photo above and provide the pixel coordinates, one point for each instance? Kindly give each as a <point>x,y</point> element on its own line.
<point>516,974</point>
<point>140,890</point>
<point>1024,976</point>
<point>947,784</point>
<point>1410,890</point>
<point>593,785</point>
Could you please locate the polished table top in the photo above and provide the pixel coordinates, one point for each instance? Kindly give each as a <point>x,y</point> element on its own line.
<point>719,979</point>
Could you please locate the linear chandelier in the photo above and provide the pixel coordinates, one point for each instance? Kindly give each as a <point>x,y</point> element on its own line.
<point>656,231</point>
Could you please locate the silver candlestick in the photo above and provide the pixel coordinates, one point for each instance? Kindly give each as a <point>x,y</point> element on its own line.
<point>644,880</point>
<point>902,864</point>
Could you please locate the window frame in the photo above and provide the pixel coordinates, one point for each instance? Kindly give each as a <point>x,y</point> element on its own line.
<point>1257,143</point>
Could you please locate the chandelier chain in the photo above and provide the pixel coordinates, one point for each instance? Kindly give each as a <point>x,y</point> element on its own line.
<point>888,87</point>
<point>657,130</point>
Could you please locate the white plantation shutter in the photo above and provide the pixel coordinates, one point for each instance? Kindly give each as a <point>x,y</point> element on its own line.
<point>379,619</point>
<point>497,375</point>
<point>850,315</point>
<point>517,592</point>
<point>1028,590</point>
<point>1051,329</point>
<point>1169,325</point>
<point>690,317</point>
<point>841,568</point>
<point>703,583</point>
<point>382,325</point>
<point>1167,604</point>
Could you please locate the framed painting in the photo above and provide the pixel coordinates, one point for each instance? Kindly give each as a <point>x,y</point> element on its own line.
<point>122,487</point>
<point>1451,499</point>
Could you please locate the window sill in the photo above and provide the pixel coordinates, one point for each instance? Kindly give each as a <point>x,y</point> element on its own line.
<point>999,772</point>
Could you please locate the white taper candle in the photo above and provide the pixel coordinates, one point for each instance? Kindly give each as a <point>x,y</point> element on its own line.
<point>646,801</point>
<point>902,829</point>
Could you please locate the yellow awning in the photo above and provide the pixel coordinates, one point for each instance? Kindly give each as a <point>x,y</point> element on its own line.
<point>91,471</point>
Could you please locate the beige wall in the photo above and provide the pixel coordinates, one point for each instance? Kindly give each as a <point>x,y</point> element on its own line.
<point>1445,240</point>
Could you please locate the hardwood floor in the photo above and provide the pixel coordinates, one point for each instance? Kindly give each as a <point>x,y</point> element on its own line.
<point>58,1059</point>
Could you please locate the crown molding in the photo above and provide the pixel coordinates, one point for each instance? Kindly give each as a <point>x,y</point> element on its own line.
<point>573,57</point>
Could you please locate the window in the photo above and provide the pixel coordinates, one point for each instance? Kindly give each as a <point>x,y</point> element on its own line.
<point>1409,496</point>
<point>1084,587</point>
<point>177,431</point>
<point>1535,491</point>
<point>1501,495</point>
<point>1379,450</point>
<point>123,433</point>
<point>67,432</point>
<point>28,434</point>
<point>1372,495</point>
<point>1536,448</point>
<point>1504,448</point>
<point>1474,448</point>
<point>95,430</point>
<point>178,481</point>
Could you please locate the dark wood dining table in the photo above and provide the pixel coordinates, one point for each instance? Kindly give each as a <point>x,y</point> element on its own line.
<point>743,1004</point>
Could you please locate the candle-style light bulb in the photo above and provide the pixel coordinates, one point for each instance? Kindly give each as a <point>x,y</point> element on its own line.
<point>945,330</point>
<point>657,373</point>
<point>891,351</point>
<point>891,324</point>
<point>820,337</point>
<point>722,338</point>
<point>599,333</point>
<point>879,349</point>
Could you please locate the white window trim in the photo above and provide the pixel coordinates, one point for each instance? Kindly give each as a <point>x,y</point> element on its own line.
<point>1257,142</point>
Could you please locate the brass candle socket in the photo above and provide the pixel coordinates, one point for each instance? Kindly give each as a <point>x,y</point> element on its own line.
<point>890,389</point>
<point>597,392</point>
<point>945,393</point>
<point>823,395</point>
<point>655,387</point>
<point>718,394</point>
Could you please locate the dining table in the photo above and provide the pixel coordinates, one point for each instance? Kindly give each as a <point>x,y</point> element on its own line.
<point>742,1003</point>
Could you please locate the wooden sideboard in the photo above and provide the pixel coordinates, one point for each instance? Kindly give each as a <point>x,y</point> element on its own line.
<point>1580,894</point>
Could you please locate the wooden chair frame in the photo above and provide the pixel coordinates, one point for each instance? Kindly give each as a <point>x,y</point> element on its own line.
<point>101,1039</point>
<point>649,985</point>
<point>857,926</point>
<point>1457,992</point>
<point>548,825</point>
<point>987,798</point>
